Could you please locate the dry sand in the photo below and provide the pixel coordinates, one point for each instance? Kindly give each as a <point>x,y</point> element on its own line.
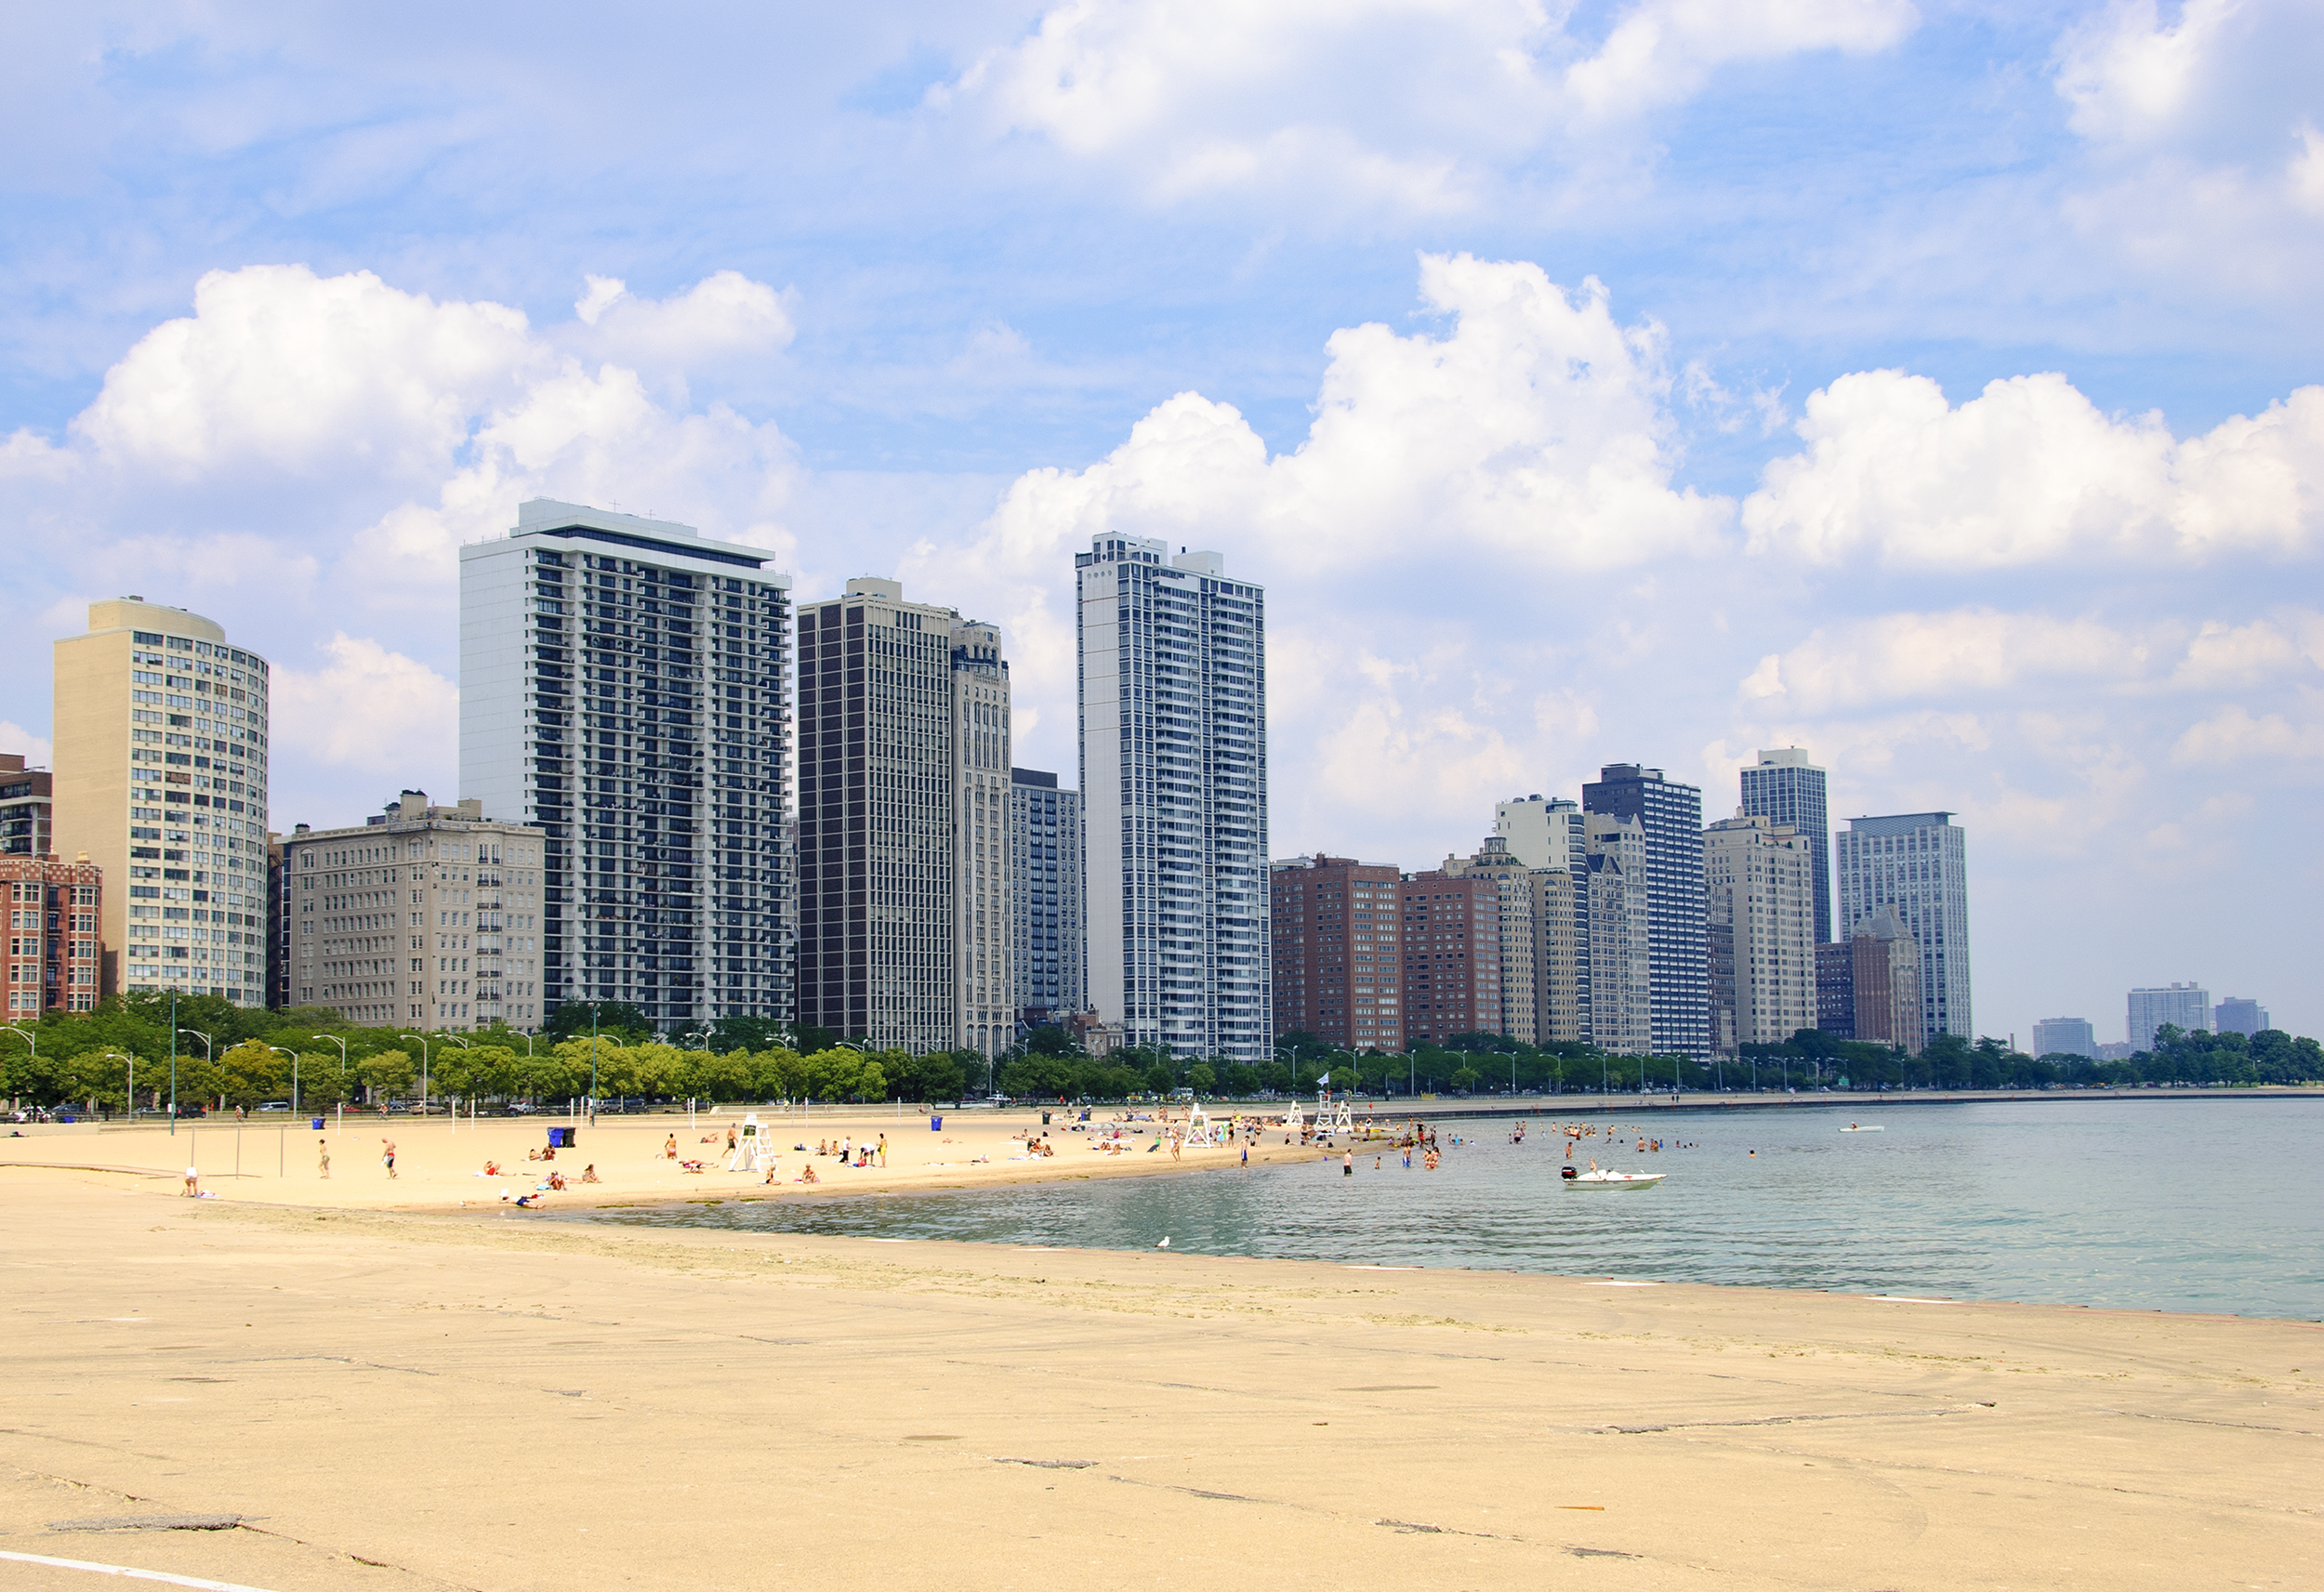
<point>399,1399</point>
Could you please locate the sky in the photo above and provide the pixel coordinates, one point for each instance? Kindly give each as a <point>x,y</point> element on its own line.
<point>1935,386</point>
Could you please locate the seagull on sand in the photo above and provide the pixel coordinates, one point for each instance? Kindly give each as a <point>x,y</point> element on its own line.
<point>1164,1244</point>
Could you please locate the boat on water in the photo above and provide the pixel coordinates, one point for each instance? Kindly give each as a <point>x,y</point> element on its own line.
<point>1599,1178</point>
<point>1864,1127</point>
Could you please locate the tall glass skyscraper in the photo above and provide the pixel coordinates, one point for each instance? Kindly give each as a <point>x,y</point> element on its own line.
<point>624,686</point>
<point>1917,862</point>
<point>1173,688</point>
<point>1788,789</point>
<point>1678,936</point>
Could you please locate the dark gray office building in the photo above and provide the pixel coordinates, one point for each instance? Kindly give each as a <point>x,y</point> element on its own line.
<point>1047,953</point>
<point>1678,936</point>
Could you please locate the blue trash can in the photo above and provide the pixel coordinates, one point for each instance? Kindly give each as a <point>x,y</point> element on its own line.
<point>561,1139</point>
<point>318,1124</point>
<point>935,1124</point>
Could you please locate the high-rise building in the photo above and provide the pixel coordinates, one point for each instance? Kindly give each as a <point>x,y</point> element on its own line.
<point>1884,983</point>
<point>1173,694</point>
<point>2238,1014</point>
<point>420,915</point>
<point>1917,862</point>
<point>1789,789</point>
<point>1621,943</point>
<point>2184,1006</point>
<point>624,686</point>
<point>1521,935</point>
<point>1671,816</point>
<point>983,897</point>
<point>1338,971</point>
<point>1047,948</point>
<point>52,950</point>
<point>2064,1036</point>
<point>161,780</point>
<point>1759,878</point>
<point>1452,955</point>
<point>904,760</point>
<point>27,809</point>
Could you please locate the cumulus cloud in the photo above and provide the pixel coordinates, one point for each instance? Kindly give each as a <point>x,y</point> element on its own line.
<point>2031,471</point>
<point>1409,102</point>
<point>367,709</point>
<point>2235,734</point>
<point>35,749</point>
<point>725,317</point>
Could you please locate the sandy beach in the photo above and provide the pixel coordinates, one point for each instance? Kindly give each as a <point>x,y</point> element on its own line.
<point>440,1163</point>
<point>393,1398</point>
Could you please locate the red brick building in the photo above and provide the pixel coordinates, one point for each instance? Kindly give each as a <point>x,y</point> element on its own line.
<point>52,948</point>
<point>1452,955</point>
<point>1336,940</point>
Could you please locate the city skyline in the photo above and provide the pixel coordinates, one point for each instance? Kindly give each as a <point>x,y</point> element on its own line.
<point>1964,434</point>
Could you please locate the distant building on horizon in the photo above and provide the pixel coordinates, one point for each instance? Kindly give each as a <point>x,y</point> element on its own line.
<point>50,960</point>
<point>1917,864</point>
<point>1336,941</point>
<point>1452,955</point>
<point>1788,788</point>
<point>1620,949</point>
<point>1550,837</point>
<point>1048,945</point>
<point>1671,817</point>
<point>28,805</point>
<point>2064,1036</point>
<point>2238,1014</point>
<point>2184,1006</point>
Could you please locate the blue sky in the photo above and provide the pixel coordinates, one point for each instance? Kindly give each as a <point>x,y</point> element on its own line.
<point>1587,383</point>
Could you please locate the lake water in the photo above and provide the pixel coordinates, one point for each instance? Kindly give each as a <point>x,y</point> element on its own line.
<point>2183,1204</point>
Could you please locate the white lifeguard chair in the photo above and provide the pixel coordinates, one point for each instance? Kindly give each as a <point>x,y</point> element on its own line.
<point>1329,1120</point>
<point>1200,1129</point>
<point>754,1148</point>
<point>1295,1123</point>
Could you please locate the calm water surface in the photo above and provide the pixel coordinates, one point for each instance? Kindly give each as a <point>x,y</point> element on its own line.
<point>2176,1206</point>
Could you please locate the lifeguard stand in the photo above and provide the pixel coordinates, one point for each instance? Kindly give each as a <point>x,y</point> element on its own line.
<point>1293,1123</point>
<point>1329,1120</point>
<point>754,1150</point>
<point>1200,1127</point>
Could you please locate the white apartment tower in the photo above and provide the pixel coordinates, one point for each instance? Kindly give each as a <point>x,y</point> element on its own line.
<point>1173,691</point>
<point>625,688</point>
<point>426,916</point>
<point>161,780</point>
<point>1917,862</point>
<point>903,823</point>
<point>1550,833</point>
<point>1762,912</point>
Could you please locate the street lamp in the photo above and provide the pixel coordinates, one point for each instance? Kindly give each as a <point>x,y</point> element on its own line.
<point>132,1091</point>
<point>423,1070</point>
<point>190,1033</point>
<point>294,1055</point>
<point>447,1039</point>
<point>341,1043</point>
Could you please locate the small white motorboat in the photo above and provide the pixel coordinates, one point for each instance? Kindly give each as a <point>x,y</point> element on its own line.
<point>1598,1177</point>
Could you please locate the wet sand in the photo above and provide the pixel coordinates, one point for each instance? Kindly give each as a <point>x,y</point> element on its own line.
<point>395,1399</point>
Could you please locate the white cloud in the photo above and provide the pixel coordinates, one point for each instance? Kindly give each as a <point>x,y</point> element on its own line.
<point>1406,102</point>
<point>2031,471</point>
<point>371,711</point>
<point>2246,655</point>
<point>722,319</point>
<point>1944,656</point>
<point>35,749</point>
<point>2235,734</point>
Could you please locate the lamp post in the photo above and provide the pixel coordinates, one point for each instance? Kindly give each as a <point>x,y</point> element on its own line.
<point>131,1092</point>
<point>294,1055</point>
<point>451,1039</point>
<point>341,1043</point>
<point>190,1033</point>
<point>423,1070</point>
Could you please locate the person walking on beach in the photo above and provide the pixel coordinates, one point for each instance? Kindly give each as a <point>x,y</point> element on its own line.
<point>669,1148</point>
<point>386,1156</point>
<point>883,1149</point>
<point>323,1159</point>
